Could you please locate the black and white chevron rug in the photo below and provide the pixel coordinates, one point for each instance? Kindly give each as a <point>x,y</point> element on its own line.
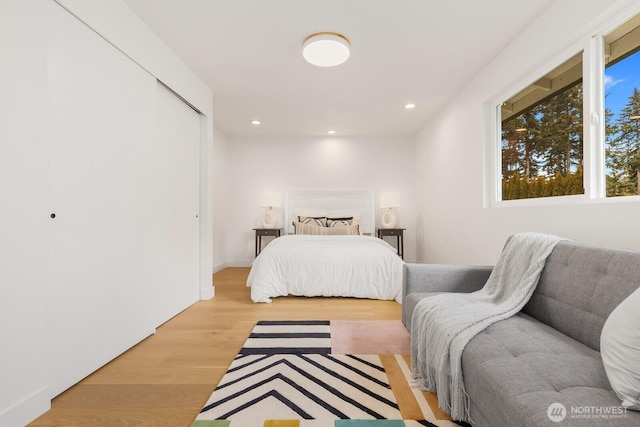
<point>289,337</point>
<point>286,376</point>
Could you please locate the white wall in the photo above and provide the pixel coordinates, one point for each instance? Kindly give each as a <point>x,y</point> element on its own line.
<point>260,165</point>
<point>453,226</point>
<point>220,195</point>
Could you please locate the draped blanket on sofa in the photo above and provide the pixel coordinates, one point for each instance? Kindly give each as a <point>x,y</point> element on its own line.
<point>443,324</point>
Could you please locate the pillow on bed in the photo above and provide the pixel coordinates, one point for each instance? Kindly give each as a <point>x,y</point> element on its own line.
<point>343,220</point>
<point>307,228</point>
<point>339,221</point>
<point>310,229</point>
<point>318,221</point>
<point>353,229</point>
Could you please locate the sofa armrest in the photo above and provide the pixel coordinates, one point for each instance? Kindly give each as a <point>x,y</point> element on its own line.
<point>443,278</point>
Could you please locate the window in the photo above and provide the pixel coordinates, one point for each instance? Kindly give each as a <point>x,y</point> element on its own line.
<point>542,133</point>
<point>542,138</point>
<point>622,109</point>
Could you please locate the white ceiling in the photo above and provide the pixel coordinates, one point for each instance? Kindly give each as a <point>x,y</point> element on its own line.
<point>249,53</point>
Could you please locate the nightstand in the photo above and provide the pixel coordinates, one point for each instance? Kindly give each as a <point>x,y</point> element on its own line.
<point>398,233</point>
<point>261,232</point>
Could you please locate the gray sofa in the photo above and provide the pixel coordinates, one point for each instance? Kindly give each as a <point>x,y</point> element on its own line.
<point>549,352</point>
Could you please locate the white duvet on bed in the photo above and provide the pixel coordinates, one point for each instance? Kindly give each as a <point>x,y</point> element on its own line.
<point>346,266</point>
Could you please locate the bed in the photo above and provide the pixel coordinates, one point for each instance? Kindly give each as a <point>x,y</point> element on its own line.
<point>327,254</point>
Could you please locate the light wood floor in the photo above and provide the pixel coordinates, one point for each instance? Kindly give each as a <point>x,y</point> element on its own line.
<point>166,379</point>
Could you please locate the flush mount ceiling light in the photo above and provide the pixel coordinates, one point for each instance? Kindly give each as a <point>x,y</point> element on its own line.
<point>326,49</point>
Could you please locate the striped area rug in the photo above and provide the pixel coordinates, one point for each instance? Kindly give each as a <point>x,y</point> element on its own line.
<point>286,337</point>
<point>286,375</point>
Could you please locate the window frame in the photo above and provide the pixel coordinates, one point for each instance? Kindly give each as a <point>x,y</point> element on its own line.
<point>594,177</point>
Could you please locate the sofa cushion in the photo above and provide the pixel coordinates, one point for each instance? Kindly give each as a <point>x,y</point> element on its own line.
<point>517,367</point>
<point>580,286</point>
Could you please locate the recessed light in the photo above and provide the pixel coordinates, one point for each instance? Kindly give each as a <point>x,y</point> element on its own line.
<point>255,122</point>
<point>410,106</point>
<point>331,132</point>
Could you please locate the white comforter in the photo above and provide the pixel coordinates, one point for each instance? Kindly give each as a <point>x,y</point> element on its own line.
<point>345,266</point>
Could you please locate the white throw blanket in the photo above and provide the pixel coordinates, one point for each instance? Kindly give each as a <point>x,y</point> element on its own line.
<point>443,324</point>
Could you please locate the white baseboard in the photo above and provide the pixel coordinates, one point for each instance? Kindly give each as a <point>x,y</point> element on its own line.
<point>220,267</point>
<point>240,263</point>
<point>27,410</point>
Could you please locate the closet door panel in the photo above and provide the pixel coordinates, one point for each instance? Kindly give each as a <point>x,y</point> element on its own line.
<point>101,110</point>
<point>175,161</point>
<point>24,222</point>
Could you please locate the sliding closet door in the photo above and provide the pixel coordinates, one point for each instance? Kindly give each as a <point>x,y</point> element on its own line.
<point>174,158</point>
<point>23,203</point>
<point>102,120</point>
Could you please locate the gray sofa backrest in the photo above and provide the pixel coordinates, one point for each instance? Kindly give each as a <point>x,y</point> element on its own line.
<point>580,286</point>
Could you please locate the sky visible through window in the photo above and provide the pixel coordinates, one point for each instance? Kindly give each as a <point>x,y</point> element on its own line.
<point>622,145</point>
<point>620,79</point>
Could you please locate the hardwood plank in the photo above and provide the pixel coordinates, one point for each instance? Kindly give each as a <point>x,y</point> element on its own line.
<point>166,379</point>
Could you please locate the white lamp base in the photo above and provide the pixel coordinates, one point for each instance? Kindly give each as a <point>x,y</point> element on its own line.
<point>269,220</point>
<point>388,219</point>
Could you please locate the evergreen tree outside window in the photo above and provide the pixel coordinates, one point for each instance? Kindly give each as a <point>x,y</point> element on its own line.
<point>541,128</point>
<point>542,136</point>
<point>622,110</point>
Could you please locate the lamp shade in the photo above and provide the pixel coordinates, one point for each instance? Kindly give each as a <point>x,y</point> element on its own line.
<point>326,49</point>
<point>389,200</point>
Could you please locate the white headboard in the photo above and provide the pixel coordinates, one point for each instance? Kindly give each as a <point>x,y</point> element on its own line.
<point>331,202</point>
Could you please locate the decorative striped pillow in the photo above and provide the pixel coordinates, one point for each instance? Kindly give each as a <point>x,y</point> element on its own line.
<point>318,221</point>
<point>310,229</point>
<point>339,221</point>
